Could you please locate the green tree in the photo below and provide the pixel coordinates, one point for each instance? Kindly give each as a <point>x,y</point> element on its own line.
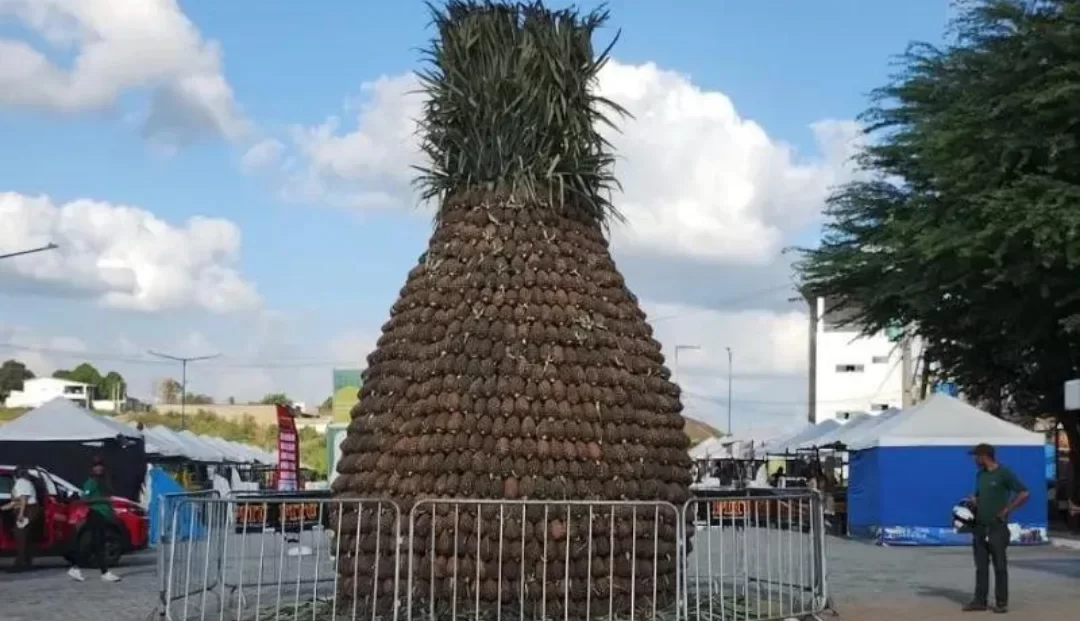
<point>85,373</point>
<point>276,398</point>
<point>965,231</point>
<point>111,385</point>
<point>12,375</point>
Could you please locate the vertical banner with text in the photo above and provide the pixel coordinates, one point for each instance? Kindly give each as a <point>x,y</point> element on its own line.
<point>288,468</point>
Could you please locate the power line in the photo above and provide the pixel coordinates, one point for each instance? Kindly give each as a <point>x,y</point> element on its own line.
<point>731,300</point>
<point>183,375</point>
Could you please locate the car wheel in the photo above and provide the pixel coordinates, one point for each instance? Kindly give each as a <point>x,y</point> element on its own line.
<point>114,547</point>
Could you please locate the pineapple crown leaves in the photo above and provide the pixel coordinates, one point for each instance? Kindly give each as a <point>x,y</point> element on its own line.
<point>511,107</point>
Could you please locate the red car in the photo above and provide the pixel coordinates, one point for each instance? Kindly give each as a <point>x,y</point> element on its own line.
<point>62,532</point>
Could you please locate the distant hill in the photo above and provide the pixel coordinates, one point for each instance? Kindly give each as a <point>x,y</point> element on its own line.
<point>699,431</point>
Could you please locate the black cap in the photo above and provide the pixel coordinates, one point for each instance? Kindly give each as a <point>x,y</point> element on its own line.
<point>983,450</point>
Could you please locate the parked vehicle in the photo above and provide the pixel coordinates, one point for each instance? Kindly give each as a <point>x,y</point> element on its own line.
<point>62,532</point>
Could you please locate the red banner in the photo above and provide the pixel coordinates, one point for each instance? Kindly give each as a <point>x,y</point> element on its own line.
<point>288,469</point>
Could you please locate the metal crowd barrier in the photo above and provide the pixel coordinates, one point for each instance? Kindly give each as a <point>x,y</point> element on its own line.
<point>183,517</point>
<point>755,558</point>
<point>280,557</point>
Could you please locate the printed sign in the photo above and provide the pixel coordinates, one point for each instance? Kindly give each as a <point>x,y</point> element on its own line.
<point>288,470</point>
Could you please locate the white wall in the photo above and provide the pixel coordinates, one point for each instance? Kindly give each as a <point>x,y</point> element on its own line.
<point>40,390</point>
<point>856,374</point>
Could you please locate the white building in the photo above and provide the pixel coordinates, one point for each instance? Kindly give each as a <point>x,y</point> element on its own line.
<point>851,373</point>
<point>40,390</point>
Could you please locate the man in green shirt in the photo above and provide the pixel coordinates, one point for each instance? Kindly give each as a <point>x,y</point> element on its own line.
<point>997,493</point>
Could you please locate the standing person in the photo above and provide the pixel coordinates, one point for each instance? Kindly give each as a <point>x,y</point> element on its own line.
<point>24,502</point>
<point>96,492</point>
<point>998,492</point>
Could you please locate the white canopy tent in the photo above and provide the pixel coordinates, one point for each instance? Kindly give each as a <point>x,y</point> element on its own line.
<point>942,420</point>
<point>856,435</point>
<point>60,420</point>
<point>836,435</point>
<point>160,444</point>
<point>229,451</point>
<point>192,450</point>
<point>808,433</point>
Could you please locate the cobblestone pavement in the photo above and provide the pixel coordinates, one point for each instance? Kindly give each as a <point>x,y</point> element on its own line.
<point>867,583</point>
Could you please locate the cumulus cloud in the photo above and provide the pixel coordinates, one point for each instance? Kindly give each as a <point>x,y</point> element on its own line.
<point>699,179</point>
<point>118,47</point>
<point>41,353</point>
<point>122,256</point>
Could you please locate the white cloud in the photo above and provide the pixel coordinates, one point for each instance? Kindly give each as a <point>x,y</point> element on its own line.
<point>699,180</point>
<point>41,353</point>
<point>124,257</point>
<point>262,155</point>
<point>116,47</point>
<point>769,361</point>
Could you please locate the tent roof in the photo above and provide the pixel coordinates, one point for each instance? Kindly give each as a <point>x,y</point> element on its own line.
<point>705,448</point>
<point>808,433</point>
<point>866,430</point>
<point>61,420</point>
<point>158,445</point>
<point>192,450</point>
<point>213,453</point>
<point>942,420</point>
<point>834,435</point>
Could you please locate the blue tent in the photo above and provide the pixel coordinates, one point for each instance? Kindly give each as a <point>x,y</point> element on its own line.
<point>169,513</point>
<point>906,476</point>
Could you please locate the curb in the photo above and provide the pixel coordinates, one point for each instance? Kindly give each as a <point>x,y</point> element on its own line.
<point>1065,544</point>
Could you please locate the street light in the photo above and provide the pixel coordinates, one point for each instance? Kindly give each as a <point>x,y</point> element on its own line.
<point>19,253</point>
<point>679,348</point>
<point>728,390</point>
<point>183,378</point>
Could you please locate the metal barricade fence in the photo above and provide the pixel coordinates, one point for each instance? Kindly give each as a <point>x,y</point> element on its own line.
<point>278,558</point>
<point>180,519</point>
<point>755,558</point>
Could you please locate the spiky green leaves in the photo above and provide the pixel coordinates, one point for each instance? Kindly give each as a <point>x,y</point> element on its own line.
<point>511,107</point>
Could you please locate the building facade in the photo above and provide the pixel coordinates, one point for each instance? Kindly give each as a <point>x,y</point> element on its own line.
<point>851,373</point>
<point>40,390</point>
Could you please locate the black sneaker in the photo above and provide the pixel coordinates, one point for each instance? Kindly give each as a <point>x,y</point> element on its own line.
<point>1000,609</point>
<point>975,607</point>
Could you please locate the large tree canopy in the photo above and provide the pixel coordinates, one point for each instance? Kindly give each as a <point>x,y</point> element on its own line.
<point>12,375</point>
<point>965,229</point>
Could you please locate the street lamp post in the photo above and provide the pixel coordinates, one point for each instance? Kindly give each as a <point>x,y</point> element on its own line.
<point>729,372</point>
<point>679,348</point>
<point>9,255</point>
<point>183,379</point>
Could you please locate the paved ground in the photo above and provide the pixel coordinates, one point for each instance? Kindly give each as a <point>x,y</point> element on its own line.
<point>868,583</point>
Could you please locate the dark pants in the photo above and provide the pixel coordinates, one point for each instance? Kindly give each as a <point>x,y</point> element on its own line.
<point>97,525</point>
<point>990,543</point>
<point>24,544</point>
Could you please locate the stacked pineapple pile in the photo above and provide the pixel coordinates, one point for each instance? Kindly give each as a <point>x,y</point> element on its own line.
<point>516,364</point>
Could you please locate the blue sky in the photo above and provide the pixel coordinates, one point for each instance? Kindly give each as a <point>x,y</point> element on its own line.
<point>219,110</point>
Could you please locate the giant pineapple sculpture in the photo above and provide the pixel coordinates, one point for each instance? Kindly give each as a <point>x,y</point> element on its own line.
<point>516,364</point>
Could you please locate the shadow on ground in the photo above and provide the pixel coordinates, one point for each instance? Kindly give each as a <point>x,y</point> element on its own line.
<point>1065,567</point>
<point>953,595</point>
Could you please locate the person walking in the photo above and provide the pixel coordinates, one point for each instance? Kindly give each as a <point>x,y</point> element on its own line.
<point>96,491</point>
<point>998,492</point>
<point>24,502</point>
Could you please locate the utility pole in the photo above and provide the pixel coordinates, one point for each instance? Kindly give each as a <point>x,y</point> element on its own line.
<point>183,378</point>
<point>679,348</point>
<point>729,374</point>
<point>907,375</point>
<point>49,246</point>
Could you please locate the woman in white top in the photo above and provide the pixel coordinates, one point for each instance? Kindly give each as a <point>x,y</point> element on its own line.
<point>24,502</point>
